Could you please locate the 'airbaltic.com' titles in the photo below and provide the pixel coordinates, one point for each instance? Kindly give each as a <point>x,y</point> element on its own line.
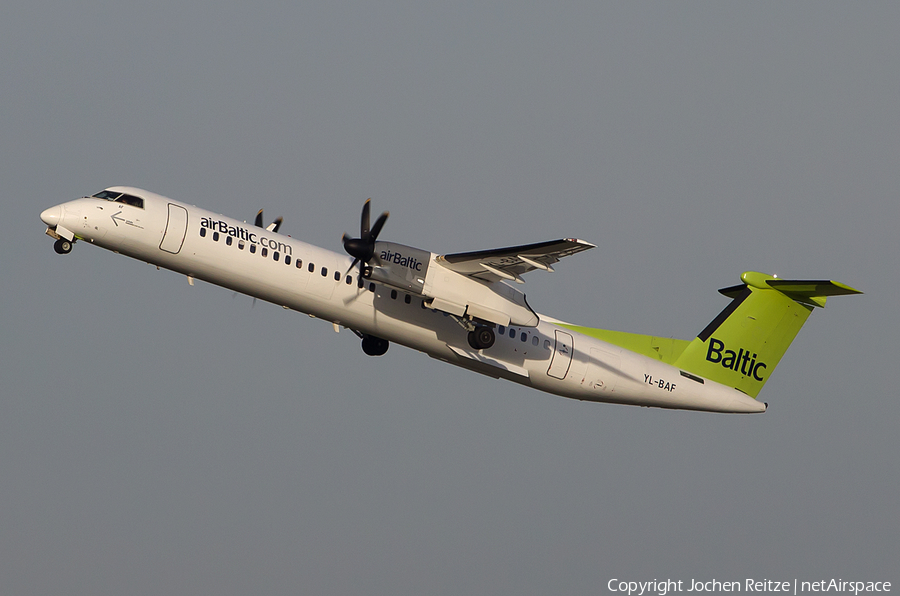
<point>243,233</point>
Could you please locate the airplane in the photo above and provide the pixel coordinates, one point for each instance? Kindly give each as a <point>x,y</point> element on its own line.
<point>462,308</point>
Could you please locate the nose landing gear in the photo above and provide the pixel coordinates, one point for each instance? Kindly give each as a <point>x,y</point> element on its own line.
<point>62,246</point>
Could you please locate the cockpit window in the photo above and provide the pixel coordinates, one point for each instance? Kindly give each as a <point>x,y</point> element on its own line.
<point>111,195</point>
<point>108,195</point>
<point>131,200</point>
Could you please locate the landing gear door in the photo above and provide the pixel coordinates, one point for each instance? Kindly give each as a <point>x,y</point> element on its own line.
<point>562,355</point>
<point>176,228</point>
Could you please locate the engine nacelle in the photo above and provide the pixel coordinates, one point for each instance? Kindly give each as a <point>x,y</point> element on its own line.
<point>400,266</point>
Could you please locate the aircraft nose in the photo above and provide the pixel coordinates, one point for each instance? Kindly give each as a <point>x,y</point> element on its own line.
<point>52,216</point>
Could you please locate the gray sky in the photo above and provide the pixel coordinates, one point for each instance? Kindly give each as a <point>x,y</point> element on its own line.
<point>157,438</point>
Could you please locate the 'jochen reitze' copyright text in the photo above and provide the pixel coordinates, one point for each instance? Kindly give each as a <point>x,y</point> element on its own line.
<point>795,587</point>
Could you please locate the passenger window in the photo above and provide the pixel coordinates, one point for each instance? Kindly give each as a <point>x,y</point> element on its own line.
<point>240,245</point>
<point>524,336</point>
<point>546,344</point>
<point>324,271</point>
<point>535,340</point>
<point>311,268</point>
<point>229,240</point>
<point>501,330</point>
<point>337,276</point>
<point>215,236</point>
<point>287,259</point>
<point>252,249</point>
<point>512,332</point>
<point>393,294</point>
<point>407,298</point>
<point>299,263</point>
<point>203,232</point>
<point>349,280</point>
<point>276,255</point>
<point>265,252</point>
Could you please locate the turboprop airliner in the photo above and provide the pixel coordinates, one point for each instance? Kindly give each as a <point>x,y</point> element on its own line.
<point>463,308</point>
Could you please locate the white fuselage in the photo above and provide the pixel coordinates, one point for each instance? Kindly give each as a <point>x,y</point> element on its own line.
<point>264,264</point>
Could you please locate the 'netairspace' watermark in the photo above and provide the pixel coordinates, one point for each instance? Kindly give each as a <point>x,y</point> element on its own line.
<point>796,587</point>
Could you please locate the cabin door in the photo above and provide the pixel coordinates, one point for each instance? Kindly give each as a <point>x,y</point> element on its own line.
<point>176,229</point>
<point>562,355</point>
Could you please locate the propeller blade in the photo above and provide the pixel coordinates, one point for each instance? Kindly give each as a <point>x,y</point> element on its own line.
<point>273,227</point>
<point>259,219</point>
<point>353,297</point>
<point>376,229</point>
<point>364,222</point>
<point>352,265</point>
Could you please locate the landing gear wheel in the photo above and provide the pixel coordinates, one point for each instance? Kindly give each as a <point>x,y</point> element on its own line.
<point>62,246</point>
<point>481,338</point>
<point>374,346</point>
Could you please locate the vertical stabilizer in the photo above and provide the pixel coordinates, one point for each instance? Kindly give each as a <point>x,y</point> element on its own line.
<point>742,346</point>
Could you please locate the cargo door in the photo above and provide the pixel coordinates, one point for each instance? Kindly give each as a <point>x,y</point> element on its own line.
<point>602,371</point>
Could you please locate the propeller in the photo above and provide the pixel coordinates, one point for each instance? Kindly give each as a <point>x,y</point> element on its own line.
<point>272,227</point>
<point>362,249</point>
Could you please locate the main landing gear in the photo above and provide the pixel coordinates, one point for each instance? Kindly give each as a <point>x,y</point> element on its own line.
<point>374,346</point>
<point>62,246</point>
<point>481,338</point>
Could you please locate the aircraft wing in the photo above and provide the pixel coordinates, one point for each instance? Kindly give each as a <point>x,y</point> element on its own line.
<point>510,263</point>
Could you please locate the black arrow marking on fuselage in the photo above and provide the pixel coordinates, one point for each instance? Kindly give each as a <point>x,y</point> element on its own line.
<point>114,218</point>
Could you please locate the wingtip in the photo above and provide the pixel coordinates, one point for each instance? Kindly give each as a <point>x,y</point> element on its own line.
<point>584,243</point>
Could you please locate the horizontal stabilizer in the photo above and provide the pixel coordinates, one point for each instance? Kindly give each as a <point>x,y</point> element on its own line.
<point>811,289</point>
<point>811,292</point>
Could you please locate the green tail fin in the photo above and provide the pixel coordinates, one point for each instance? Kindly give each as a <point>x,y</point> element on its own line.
<point>742,346</point>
